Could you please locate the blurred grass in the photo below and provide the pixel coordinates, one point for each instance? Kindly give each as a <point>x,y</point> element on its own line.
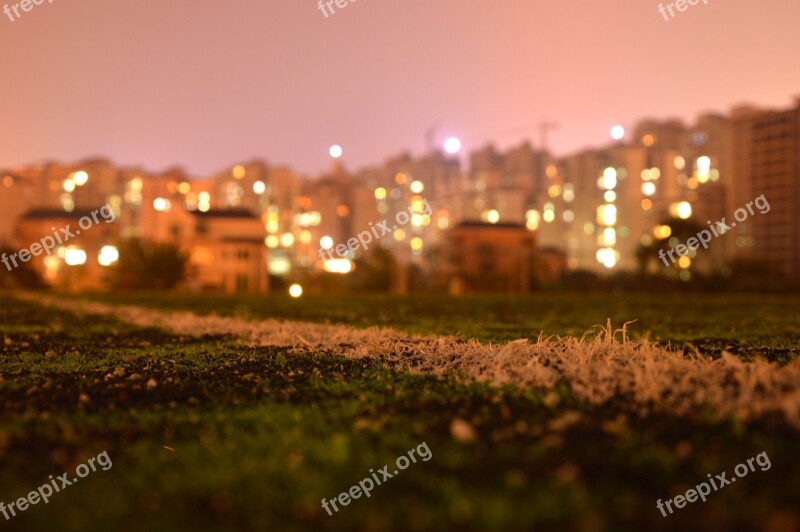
<point>744,324</point>
<point>261,435</point>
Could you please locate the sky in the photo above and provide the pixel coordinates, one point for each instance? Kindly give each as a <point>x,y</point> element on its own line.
<point>205,84</point>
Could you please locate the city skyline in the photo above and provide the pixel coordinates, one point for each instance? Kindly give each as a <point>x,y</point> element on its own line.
<point>283,83</point>
<point>597,210</point>
<point>462,154</point>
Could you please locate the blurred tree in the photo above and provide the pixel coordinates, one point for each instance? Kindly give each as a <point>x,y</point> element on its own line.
<point>374,270</point>
<point>683,230</point>
<point>148,265</point>
<point>24,276</point>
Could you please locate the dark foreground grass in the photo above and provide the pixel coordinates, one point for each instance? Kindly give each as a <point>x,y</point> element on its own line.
<point>206,434</point>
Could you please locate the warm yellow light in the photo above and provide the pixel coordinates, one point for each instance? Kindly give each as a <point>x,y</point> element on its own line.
<point>287,240</point>
<point>338,266</point>
<point>647,204</point>
<point>608,257</point>
<point>417,187</point>
<point>400,178</point>
<point>204,197</point>
<point>551,171</point>
<point>66,202</point>
<point>609,236</point>
<point>680,162</point>
<point>648,188</point>
<point>416,220</point>
<point>295,290</point>
<point>684,262</point>
<point>326,242</point>
<point>162,204</point>
<point>532,219</point>
<point>108,256</point>
<point>80,177</point>
<point>74,256</point>
<point>607,214</point>
<point>238,171</point>
<point>380,193</point>
<point>549,216</point>
<point>51,264</point>
<point>610,196</point>
<point>279,265</point>
<point>662,231</point>
<point>399,235</point>
<point>418,206</point>
<point>684,210</point>
<point>305,236</point>
<point>272,241</point>
<point>259,187</point>
<point>648,140</point>
<point>492,216</point>
<point>609,180</point>
<point>416,243</point>
<point>703,169</point>
<point>184,188</point>
<point>554,191</point>
<point>69,185</point>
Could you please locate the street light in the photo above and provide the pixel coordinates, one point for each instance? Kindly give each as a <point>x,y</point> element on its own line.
<point>452,145</point>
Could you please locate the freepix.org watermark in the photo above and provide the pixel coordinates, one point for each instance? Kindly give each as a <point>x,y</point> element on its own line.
<point>703,489</point>
<point>680,5</point>
<point>45,491</point>
<point>366,486</point>
<point>379,230</point>
<point>25,5</point>
<point>49,243</point>
<point>341,4</point>
<point>718,228</point>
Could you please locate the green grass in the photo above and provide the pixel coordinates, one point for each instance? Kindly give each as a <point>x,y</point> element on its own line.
<point>260,435</point>
<point>743,324</point>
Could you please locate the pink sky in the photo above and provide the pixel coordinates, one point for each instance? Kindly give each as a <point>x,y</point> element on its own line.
<point>206,84</point>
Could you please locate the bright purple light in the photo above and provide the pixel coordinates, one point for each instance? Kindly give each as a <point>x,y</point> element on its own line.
<point>452,145</point>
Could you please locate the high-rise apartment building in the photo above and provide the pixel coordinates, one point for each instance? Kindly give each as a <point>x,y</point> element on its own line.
<point>767,161</point>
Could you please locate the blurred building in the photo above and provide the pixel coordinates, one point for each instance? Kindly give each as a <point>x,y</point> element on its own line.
<point>598,210</point>
<point>227,251</point>
<point>767,163</point>
<point>485,257</point>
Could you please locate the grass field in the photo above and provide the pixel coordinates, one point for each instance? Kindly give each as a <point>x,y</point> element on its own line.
<point>208,433</point>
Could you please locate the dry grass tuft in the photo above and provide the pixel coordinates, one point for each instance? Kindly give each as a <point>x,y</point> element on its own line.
<point>596,367</point>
